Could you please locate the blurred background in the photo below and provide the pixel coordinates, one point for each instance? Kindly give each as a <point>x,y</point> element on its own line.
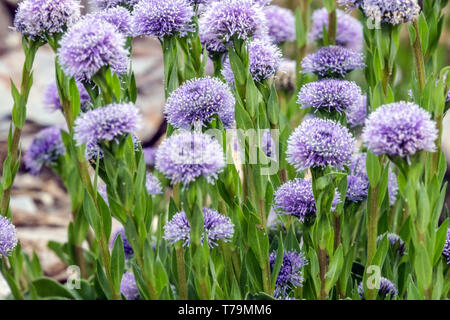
<point>40,205</point>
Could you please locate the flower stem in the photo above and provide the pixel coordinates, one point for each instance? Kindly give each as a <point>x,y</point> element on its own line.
<point>181,273</point>
<point>372,230</point>
<point>418,56</point>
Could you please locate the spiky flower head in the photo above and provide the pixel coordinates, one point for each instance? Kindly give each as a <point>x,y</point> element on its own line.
<point>296,198</point>
<point>395,242</point>
<point>331,95</point>
<point>118,16</point>
<point>349,31</point>
<point>162,18</point>
<point>446,251</point>
<point>128,287</point>
<point>290,275</point>
<point>216,227</point>
<point>44,150</point>
<point>107,123</point>
<point>42,18</point>
<point>186,156</point>
<point>226,19</point>
<point>320,143</point>
<point>333,62</point>
<point>128,250</point>
<point>264,61</point>
<point>8,237</point>
<point>391,11</point>
<point>106,4</point>
<point>387,289</point>
<point>197,101</point>
<point>357,113</point>
<point>152,184</point>
<point>51,97</point>
<point>90,45</point>
<point>400,129</point>
<point>280,24</point>
<point>357,180</point>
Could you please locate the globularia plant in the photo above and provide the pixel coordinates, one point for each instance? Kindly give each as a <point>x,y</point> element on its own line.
<point>307,164</point>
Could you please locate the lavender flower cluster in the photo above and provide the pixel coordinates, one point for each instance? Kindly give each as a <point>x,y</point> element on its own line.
<point>8,237</point>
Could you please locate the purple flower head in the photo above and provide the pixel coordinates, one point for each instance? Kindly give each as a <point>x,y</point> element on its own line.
<point>290,275</point>
<point>446,251</point>
<point>226,19</point>
<point>128,287</point>
<point>128,250</point>
<point>357,113</point>
<point>106,4</point>
<point>392,187</point>
<point>197,101</point>
<point>331,95</point>
<point>149,156</point>
<point>349,30</point>
<point>264,60</point>
<point>357,180</point>
<point>387,289</point>
<point>8,237</point>
<point>186,156</point>
<point>106,123</point>
<point>320,143</point>
<point>52,101</point>
<point>216,227</point>
<point>262,2</point>
<point>350,4</point>
<point>41,18</point>
<point>44,150</point>
<point>395,242</point>
<point>296,198</point>
<point>152,184</point>
<point>90,45</point>
<point>391,12</point>
<point>162,18</point>
<point>280,23</point>
<point>332,62</point>
<point>119,17</point>
<point>400,129</point>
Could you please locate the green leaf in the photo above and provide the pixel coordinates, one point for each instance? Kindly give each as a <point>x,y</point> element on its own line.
<point>117,262</point>
<point>373,168</point>
<point>47,287</point>
<point>334,269</point>
<point>272,106</point>
<point>278,262</point>
<point>423,268</point>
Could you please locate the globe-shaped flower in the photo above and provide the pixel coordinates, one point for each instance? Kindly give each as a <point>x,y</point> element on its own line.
<point>280,24</point>
<point>226,19</point>
<point>128,287</point>
<point>105,4</point>
<point>320,143</point>
<point>186,156</point>
<point>149,155</point>
<point>44,150</point>
<point>128,250</point>
<point>387,289</point>
<point>333,62</point>
<point>8,237</point>
<point>357,113</point>
<point>106,123</point>
<point>197,101</point>
<point>446,251</point>
<point>152,184</point>
<point>331,95</point>
<point>391,12</point>
<point>162,18</point>
<point>349,31</point>
<point>52,101</point>
<point>296,198</point>
<point>118,17</point>
<point>90,45</point>
<point>400,129</point>
<point>264,60</point>
<point>216,227</point>
<point>290,275</point>
<point>357,180</point>
<point>396,243</point>
<point>41,18</point>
